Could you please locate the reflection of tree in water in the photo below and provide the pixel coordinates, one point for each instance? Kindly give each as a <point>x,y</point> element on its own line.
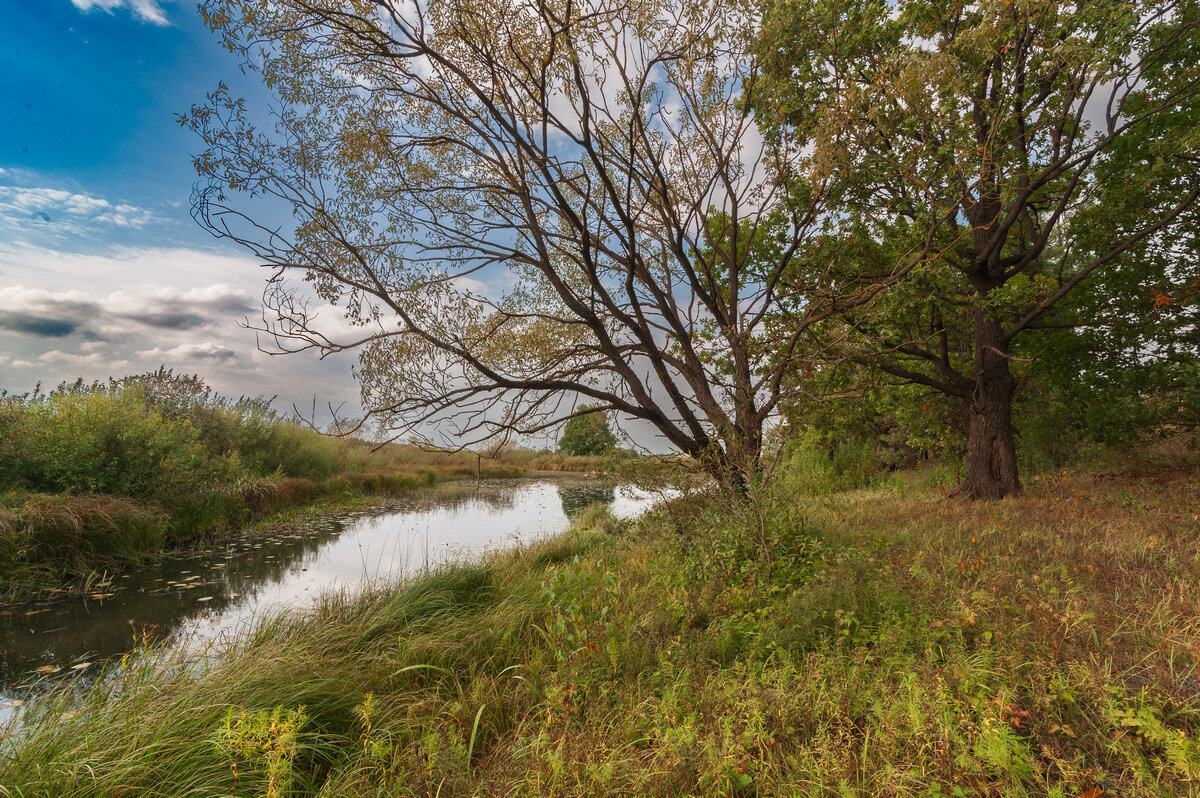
<point>488,494</point>
<point>576,498</point>
<point>494,500</point>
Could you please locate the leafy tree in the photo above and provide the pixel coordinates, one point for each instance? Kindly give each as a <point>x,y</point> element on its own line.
<point>586,433</point>
<point>988,135</point>
<point>604,152</point>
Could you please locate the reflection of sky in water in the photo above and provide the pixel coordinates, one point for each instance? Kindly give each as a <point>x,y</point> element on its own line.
<point>207,597</point>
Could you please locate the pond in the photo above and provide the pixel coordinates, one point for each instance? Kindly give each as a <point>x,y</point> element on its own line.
<point>204,597</point>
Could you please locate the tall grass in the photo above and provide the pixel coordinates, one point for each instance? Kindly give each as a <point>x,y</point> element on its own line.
<point>870,642</point>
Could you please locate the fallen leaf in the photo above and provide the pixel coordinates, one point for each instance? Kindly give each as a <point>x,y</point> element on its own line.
<point>205,598</point>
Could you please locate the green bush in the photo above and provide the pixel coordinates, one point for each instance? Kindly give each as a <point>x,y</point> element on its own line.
<point>156,437</point>
<point>818,465</point>
<point>587,434</point>
<point>107,443</point>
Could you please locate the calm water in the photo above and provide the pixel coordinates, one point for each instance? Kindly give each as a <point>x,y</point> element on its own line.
<point>201,598</point>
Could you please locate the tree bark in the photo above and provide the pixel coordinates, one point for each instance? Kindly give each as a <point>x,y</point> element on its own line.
<point>991,466</point>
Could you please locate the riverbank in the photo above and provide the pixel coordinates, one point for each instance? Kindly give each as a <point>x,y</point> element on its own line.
<point>95,478</point>
<point>66,544</point>
<point>879,642</point>
<point>195,596</point>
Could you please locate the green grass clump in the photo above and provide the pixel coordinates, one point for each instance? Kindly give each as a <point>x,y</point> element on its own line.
<point>871,642</point>
<point>49,538</point>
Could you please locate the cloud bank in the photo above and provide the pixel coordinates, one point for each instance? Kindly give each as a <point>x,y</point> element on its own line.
<point>56,206</point>
<point>97,315</point>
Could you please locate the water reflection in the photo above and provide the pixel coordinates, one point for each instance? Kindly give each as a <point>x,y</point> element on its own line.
<point>207,596</point>
<point>577,498</point>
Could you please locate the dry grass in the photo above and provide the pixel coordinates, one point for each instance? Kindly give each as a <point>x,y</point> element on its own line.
<point>883,642</point>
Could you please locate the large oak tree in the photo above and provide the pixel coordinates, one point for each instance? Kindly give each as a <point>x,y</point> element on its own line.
<point>994,129</point>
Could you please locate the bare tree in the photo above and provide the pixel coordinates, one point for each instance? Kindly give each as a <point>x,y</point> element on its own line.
<point>602,154</point>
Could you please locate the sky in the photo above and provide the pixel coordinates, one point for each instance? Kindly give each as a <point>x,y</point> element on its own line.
<point>103,272</point>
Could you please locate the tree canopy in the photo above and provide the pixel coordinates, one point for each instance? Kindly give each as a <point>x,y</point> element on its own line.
<point>679,213</point>
<point>602,152</point>
<point>1045,149</point>
<point>587,434</point>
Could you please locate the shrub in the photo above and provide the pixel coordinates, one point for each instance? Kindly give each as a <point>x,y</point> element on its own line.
<point>822,466</point>
<point>587,434</point>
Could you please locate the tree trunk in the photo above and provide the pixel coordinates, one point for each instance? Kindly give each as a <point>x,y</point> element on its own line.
<point>991,468</point>
<point>733,465</point>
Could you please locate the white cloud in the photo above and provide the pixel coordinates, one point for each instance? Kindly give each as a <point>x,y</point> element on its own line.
<point>208,351</point>
<point>145,10</point>
<point>58,207</point>
<point>57,357</point>
<point>126,269</point>
<point>217,297</point>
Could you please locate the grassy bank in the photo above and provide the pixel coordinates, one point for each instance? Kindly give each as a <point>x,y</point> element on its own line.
<point>94,478</point>
<point>872,642</point>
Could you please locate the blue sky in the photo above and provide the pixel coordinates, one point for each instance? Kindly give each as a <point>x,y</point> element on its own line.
<point>102,270</point>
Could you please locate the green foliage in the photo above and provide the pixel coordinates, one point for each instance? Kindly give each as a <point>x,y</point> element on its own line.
<point>1026,272</point>
<point>262,744</point>
<point>818,464</point>
<point>147,438</point>
<point>587,434</point>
